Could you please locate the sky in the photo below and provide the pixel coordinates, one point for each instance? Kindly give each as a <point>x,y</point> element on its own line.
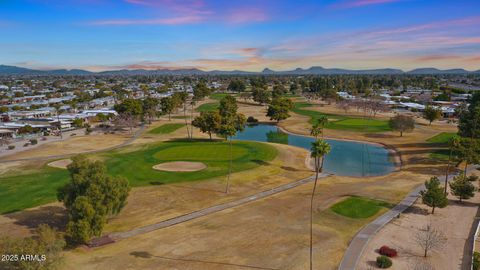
<point>240,35</point>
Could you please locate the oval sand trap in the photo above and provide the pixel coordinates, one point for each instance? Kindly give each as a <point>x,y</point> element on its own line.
<point>180,166</point>
<point>62,163</point>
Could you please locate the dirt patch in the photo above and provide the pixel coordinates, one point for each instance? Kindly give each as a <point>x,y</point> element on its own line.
<point>61,164</point>
<point>180,166</point>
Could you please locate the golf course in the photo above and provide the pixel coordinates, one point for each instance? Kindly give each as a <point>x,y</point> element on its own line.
<point>35,187</point>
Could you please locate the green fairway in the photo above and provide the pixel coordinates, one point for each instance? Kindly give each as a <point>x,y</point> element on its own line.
<point>442,138</point>
<point>208,107</point>
<point>166,128</point>
<point>440,154</point>
<point>359,207</point>
<point>18,192</point>
<point>22,191</point>
<point>218,96</point>
<point>340,122</point>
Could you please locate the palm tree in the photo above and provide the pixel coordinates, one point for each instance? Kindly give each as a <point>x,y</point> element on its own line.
<point>318,151</point>
<point>58,111</point>
<point>318,126</point>
<point>454,144</point>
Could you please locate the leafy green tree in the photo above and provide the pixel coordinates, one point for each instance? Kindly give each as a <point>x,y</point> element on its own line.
<point>402,123</point>
<point>462,188</point>
<point>78,122</point>
<point>130,106</point>
<point>208,122</point>
<point>236,85</point>
<point>46,241</point>
<point>469,120</point>
<point>260,95</point>
<point>279,109</point>
<point>167,105</point>
<point>431,114</point>
<point>318,151</point>
<point>90,198</point>
<point>278,90</point>
<point>201,90</point>
<point>149,108</point>
<point>433,194</point>
<point>468,150</point>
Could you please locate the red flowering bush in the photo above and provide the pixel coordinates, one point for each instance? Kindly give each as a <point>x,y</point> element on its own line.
<point>387,251</point>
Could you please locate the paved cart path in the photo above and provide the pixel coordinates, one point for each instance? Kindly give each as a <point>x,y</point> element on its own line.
<point>212,209</point>
<point>359,242</point>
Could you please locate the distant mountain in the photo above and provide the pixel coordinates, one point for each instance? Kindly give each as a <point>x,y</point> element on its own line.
<point>315,70</point>
<point>13,70</point>
<point>433,71</point>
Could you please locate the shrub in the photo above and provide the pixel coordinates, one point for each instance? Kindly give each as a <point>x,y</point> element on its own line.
<point>472,178</point>
<point>11,147</point>
<point>387,251</point>
<point>384,262</point>
<point>252,119</point>
<point>33,141</point>
<point>476,261</point>
<point>26,144</point>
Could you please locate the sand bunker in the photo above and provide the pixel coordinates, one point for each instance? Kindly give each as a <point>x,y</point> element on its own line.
<point>62,163</point>
<point>180,166</point>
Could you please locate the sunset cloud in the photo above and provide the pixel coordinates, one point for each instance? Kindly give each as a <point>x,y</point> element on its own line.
<point>362,3</point>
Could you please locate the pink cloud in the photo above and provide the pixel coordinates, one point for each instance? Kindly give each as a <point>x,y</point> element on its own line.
<point>247,15</point>
<point>362,3</point>
<point>160,21</point>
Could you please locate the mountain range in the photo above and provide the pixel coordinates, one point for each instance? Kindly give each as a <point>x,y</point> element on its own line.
<point>316,70</point>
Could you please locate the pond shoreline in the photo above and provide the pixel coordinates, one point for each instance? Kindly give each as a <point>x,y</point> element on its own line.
<point>392,161</point>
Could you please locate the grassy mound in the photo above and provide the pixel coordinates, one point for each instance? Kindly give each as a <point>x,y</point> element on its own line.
<point>36,187</point>
<point>359,207</point>
<point>341,122</point>
<point>442,138</point>
<point>208,107</point>
<point>166,128</point>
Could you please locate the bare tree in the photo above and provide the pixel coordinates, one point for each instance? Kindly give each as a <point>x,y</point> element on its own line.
<point>126,120</point>
<point>344,104</point>
<point>430,239</point>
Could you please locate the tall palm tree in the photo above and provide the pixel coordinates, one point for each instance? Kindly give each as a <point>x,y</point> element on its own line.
<point>317,128</point>
<point>318,151</point>
<point>454,144</point>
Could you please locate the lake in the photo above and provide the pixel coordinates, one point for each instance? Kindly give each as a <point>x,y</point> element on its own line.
<point>346,158</point>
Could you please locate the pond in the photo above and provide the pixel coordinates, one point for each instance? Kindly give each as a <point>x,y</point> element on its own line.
<point>346,158</point>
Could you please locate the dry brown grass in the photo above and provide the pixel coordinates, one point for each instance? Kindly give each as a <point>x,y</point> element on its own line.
<point>271,233</point>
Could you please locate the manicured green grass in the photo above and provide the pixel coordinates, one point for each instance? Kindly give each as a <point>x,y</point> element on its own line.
<point>218,96</point>
<point>440,154</point>
<point>137,166</point>
<point>340,122</point>
<point>208,107</point>
<point>359,207</point>
<point>18,192</point>
<point>442,138</point>
<point>166,128</point>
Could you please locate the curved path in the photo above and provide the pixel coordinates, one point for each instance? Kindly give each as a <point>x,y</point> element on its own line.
<point>359,242</point>
<point>127,142</point>
<point>211,210</point>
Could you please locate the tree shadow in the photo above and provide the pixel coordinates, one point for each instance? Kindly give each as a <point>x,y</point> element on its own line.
<point>53,216</point>
<point>380,135</point>
<point>147,255</point>
<point>417,210</point>
<point>156,183</point>
<point>260,162</point>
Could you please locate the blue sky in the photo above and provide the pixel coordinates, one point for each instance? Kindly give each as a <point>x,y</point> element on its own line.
<point>247,35</point>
